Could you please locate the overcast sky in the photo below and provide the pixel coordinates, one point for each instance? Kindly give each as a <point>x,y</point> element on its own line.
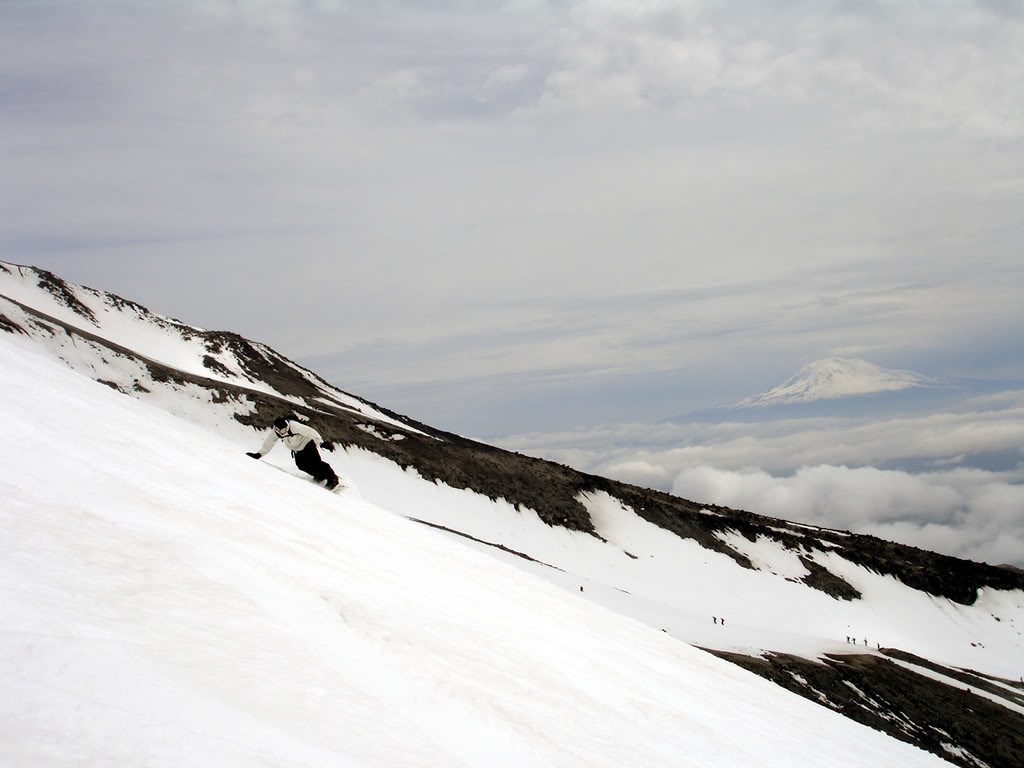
<point>518,217</point>
<point>497,216</point>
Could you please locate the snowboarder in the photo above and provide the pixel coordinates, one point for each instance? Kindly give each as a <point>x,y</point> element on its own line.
<point>302,441</point>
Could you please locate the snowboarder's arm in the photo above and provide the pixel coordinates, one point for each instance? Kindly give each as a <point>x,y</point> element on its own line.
<point>268,444</point>
<point>305,431</point>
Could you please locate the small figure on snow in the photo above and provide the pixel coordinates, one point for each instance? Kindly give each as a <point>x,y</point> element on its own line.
<point>302,441</point>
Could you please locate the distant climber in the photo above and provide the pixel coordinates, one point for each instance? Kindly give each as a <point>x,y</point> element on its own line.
<point>714,619</point>
<point>302,441</point>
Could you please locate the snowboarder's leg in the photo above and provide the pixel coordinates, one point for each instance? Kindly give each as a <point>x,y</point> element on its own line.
<point>309,461</point>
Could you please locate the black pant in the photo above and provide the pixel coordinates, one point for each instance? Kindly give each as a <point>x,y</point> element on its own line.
<point>308,460</point>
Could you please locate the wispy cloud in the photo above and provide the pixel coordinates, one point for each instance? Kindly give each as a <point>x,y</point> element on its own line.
<point>875,67</point>
<point>707,194</point>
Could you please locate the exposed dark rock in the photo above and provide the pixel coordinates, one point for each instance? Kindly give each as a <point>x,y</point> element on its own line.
<point>821,578</point>
<point>259,365</point>
<point>544,487</point>
<point>965,676</point>
<point>60,290</point>
<point>121,304</point>
<point>216,366</point>
<point>6,324</point>
<point>931,572</point>
<point>44,327</point>
<point>906,705</point>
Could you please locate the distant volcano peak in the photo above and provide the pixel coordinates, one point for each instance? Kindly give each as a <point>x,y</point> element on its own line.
<point>836,377</point>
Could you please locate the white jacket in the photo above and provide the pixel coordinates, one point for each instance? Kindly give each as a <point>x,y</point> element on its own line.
<point>298,437</point>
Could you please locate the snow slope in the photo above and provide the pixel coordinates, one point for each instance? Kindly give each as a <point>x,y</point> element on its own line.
<point>835,377</point>
<point>676,585</point>
<point>639,570</point>
<point>168,601</point>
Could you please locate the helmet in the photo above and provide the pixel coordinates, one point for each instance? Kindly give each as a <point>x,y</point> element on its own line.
<point>281,425</point>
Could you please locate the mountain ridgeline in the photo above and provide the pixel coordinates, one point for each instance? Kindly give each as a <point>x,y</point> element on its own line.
<point>550,489</point>
<point>111,340</point>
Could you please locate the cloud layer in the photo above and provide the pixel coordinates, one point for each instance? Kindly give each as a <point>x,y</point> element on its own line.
<point>952,482</point>
<point>968,513</point>
<point>507,216</point>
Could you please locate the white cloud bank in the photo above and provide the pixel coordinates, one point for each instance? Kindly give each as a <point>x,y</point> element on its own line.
<point>654,454</point>
<point>974,514</point>
<point>950,482</point>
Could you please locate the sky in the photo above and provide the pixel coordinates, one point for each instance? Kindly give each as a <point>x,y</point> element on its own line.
<point>172,605</point>
<point>524,217</point>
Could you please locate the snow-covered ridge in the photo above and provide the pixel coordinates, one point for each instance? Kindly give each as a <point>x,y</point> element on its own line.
<point>836,377</point>
<point>219,356</point>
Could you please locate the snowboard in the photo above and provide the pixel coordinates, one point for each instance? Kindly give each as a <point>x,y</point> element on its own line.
<point>341,486</point>
<point>336,489</point>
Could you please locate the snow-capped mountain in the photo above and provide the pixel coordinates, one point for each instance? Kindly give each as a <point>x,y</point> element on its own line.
<point>836,377</point>
<point>923,647</point>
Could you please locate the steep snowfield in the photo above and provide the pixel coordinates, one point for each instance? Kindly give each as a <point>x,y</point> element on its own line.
<point>676,585</point>
<point>641,571</point>
<point>835,377</point>
<point>168,601</point>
